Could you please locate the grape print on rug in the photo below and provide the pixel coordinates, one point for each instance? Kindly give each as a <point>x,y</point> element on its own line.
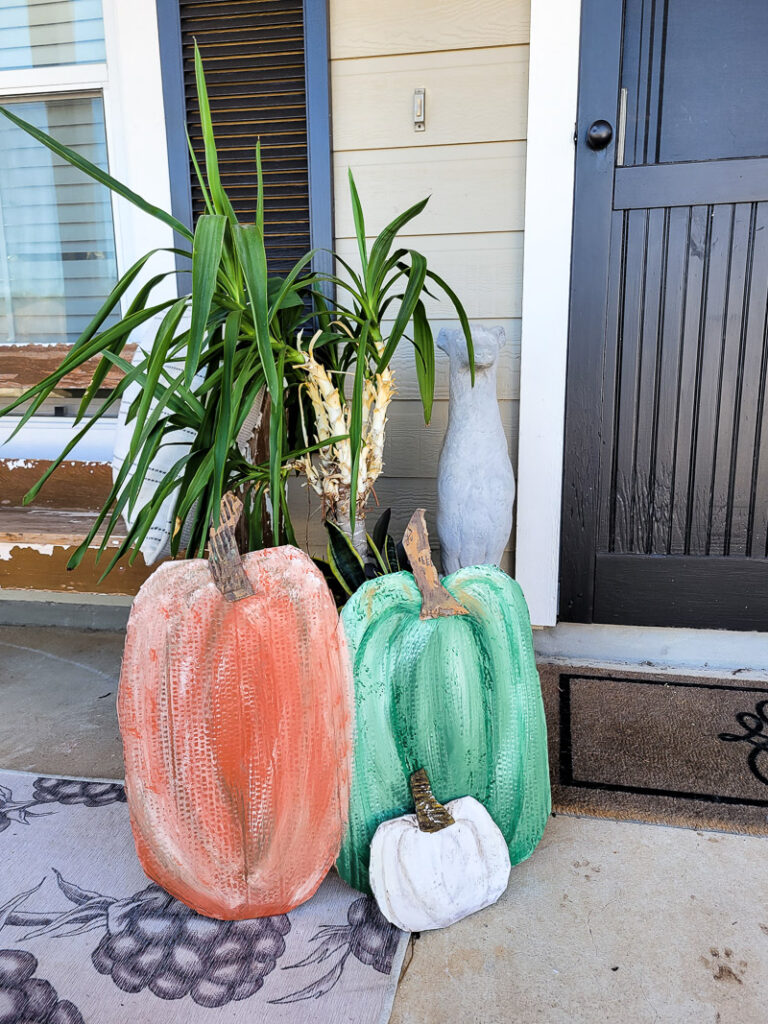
<point>80,919</point>
<point>25,999</point>
<point>47,789</point>
<point>367,936</point>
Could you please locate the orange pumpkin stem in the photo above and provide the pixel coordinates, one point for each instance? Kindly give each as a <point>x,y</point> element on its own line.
<point>431,815</point>
<point>226,565</point>
<point>435,599</point>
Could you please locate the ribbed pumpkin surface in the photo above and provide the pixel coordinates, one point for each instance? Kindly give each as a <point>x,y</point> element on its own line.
<point>459,696</point>
<point>237,726</point>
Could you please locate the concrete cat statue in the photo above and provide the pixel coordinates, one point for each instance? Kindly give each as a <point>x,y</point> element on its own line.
<point>475,479</point>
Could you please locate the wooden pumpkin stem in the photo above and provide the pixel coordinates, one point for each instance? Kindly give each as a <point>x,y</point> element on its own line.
<point>430,813</point>
<point>435,599</point>
<point>226,565</point>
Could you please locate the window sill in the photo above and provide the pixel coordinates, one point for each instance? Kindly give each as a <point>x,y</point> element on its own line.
<point>44,437</point>
<point>23,366</point>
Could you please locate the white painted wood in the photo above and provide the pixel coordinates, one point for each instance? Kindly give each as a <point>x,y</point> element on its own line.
<point>43,437</point>
<point>425,880</point>
<point>471,96</point>
<point>485,271</point>
<point>136,138</point>
<point>471,160</point>
<point>369,28</point>
<point>473,188</point>
<point>713,652</point>
<point>412,450</point>
<point>509,363</point>
<point>548,214</point>
<point>64,78</point>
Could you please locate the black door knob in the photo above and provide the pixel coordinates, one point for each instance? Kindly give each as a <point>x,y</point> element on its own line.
<point>599,134</point>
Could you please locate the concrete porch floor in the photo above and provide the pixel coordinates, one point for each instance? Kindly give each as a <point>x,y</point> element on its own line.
<point>607,922</point>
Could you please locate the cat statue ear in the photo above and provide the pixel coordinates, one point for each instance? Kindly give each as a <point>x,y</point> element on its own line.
<point>447,338</point>
<point>450,337</point>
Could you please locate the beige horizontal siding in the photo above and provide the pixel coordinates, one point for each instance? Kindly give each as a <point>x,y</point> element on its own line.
<point>474,188</point>
<point>486,270</point>
<point>412,449</point>
<point>471,96</point>
<point>472,60</point>
<point>371,28</point>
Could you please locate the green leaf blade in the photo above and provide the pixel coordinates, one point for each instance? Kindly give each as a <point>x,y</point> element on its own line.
<point>357,215</point>
<point>249,242</point>
<point>206,259</point>
<point>424,347</point>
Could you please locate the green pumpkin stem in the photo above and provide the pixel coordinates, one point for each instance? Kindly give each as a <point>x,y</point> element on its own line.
<point>435,599</point>
<point>224,558</point>
<point>430,813</point>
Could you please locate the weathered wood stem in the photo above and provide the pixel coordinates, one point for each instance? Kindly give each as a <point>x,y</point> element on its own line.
<point>435,599</point>
<point>226,565</point>
<point>431,815</point>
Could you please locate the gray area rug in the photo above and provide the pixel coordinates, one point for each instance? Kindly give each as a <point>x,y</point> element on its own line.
<point>86,937</point>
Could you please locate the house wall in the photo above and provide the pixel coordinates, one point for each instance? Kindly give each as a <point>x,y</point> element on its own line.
<point>472,59</point>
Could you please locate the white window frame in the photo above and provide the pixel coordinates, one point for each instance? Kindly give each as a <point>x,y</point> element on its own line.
<point>550,167</point>
<point>130,83</point>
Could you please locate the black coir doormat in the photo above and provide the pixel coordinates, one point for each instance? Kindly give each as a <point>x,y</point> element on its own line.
<point>679,750</point>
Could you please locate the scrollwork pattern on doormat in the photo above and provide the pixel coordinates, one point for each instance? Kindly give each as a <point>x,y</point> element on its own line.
<point>754,723</point>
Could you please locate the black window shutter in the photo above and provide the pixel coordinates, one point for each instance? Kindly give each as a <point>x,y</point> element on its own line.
<point>254,61</point>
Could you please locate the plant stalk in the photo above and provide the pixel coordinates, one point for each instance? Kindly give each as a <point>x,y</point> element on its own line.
<point>358,534</point>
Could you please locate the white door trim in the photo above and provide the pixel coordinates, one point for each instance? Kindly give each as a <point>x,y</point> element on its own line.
<point>552,96</point>
<point>136,138</point>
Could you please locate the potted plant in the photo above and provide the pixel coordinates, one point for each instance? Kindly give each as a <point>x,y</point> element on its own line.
<point>231,367</point>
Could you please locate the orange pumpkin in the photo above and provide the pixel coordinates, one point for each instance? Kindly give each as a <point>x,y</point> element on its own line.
<point>235,709</point>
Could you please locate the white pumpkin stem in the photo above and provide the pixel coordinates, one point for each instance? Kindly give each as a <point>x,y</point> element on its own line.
<point>431,815</point>
<point>224,558</point>
<point>435,599</point>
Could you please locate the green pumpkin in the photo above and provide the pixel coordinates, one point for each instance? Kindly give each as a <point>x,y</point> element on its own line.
<point>456,695</point>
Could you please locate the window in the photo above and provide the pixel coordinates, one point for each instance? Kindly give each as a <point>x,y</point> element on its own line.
<point>41,33</point>
<point>57,242</point>
<point>88,73</point>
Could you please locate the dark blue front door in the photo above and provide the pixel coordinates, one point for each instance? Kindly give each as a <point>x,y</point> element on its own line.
<point>666,478</point>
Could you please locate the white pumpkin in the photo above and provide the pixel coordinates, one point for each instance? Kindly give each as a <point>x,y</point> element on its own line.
<point>427,871</point>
